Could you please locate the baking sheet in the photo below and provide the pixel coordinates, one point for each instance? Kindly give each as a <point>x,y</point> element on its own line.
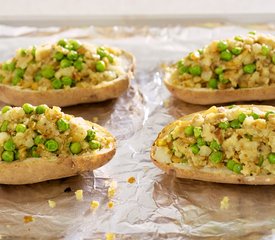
<point>156,206</point>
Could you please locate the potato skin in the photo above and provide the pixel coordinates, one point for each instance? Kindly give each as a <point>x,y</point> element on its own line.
<point>222,175</point>
<point>33,170</point>
<point>72,96</point>
<point>204,96</point>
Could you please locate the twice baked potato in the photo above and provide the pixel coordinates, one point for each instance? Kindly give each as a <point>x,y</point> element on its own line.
<point>222,144</point>
<point>238,69</point>
<point>42,143</point>
<point>65,73</point>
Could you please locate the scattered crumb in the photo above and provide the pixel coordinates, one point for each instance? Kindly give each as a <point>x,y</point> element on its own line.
<point>224,204</point>
<point>110,204</point>
<point>94,205</point>
<point>28,219</point>
<point>166,103</point>
<point>131,180</point>
<point>52,203</point>
<point>110,236</point>
<point>112,189</point>
<point>146,169</point>
<point>79,195</point>
<point>163,65</point>
<point>95,119</point>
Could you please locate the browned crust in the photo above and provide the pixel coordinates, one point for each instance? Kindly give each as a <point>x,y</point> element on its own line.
<point>205,96</point>
<point>220,175</point>
<point>72,96</point>
<point>33,170</point>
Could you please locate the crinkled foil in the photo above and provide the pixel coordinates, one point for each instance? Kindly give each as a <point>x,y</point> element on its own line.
<point>154,206</point>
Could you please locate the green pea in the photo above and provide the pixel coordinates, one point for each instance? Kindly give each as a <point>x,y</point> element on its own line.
<point>189,131</point>
<point>41,109</point>
<point>100,66</point>
<point>249,68</point>
<point>222,79</point>
<point>38,76</point>
<point>1,78</point>
<point>183,69</point>
<point>39,139</point>
<point>265,50</point>
<point>195,149</point>
<point>72,55</point>
<point>237,168</point>
<point>216,157</point>
<point>252,32</point>
<point>34,152</point>
<point>261,160</point>
<point>6,109</point>
<point>19,72</point>
<point>8,66</point>
<point>238,38</point>
<point>271,158</point>
<point>230,164</point>
<point>48,72</point>
<point>213,83</point>
<point>273,59</point>
<point>222,45</point>
<point>20,128</point>
<point>218,70</point>
<point>9,145</point>
<point>224,125</point>
<point>67,81</point>
<point>226,55</point>
<point>65,63</point>
<point>16,154</point>
<point>62,42</point>
<point>4,126</point>
<point>195,70</point>
<point>74,44</point>
<point>58,56</point>
<point>33,51</point>
<point>215,146</point>
<point>197,132</point>
<point>94,144</point>
<point>268,113</point>
<point>62,125</point>
<point>8,156</point>
<point>236,50</point>
<point>90,135</point>
<point>200,142</point>
<point>28,108</point>
<point>51,145</point>
<point>180,63</point>
<point>110,58</point>
<point>255,115</point>
<point>231,106</point>
<point>235,124</point>
<point>78,65</point>
<point>75,147</point>
<point>241,117</point>
<point>15,80</point>
<point>57,84</point>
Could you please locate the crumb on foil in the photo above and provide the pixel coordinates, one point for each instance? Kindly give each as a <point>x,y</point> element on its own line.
<point>52,203</point>
<point>28,219</point>
<point>112,189</point>
<point>95,119</point>
<point>110,204</point>
<point>131,180</point>
<point>224,204</point>
<point>79,195</point>
<point>166,103</point>
<point>94,205</point>
<point>110,236</point>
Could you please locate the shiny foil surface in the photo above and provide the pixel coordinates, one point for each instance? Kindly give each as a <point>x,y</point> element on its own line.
<point>132,198</point>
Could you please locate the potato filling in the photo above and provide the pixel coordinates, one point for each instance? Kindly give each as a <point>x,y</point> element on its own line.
<point>36,132</point>
<point>238,138</point>
<point>65,64</point>
<point>241,62</point>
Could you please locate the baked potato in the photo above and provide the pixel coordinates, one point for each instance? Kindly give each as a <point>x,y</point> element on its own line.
<point>42,143</point>
<point>65,73</point>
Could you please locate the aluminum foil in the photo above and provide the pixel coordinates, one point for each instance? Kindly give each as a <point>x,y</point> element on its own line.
<point>154,206</point>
